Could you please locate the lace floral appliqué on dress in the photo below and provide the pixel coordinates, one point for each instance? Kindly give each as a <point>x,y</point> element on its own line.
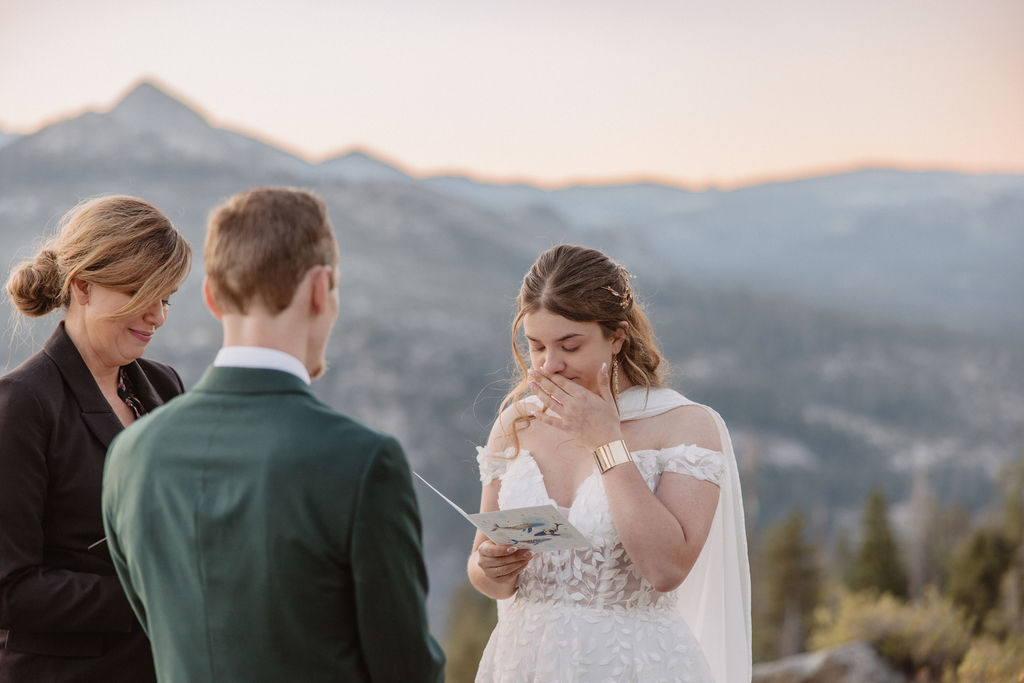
<point>588,615</point>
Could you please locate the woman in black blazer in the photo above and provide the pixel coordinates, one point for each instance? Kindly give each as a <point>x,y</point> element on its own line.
<point>63,614</point>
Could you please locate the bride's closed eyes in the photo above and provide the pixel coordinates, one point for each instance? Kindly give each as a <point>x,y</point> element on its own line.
<point>539,349</point>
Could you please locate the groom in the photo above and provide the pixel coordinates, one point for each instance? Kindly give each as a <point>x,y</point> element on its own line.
<point>260,535</point>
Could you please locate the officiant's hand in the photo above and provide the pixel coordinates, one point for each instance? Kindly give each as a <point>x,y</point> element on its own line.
<point>502,563</point>
<point>590,418</point>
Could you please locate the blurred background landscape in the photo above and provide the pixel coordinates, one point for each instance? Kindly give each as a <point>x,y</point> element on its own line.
<point>824,215</point>
<point>861,332</point>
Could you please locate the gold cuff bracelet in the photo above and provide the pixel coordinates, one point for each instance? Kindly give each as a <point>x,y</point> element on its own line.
<point>612,454</point>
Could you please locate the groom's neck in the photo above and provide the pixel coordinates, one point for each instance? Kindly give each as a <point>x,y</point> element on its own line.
<point>284,331</point>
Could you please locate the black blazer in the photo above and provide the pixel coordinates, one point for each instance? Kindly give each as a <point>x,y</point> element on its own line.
<point>63,614</point>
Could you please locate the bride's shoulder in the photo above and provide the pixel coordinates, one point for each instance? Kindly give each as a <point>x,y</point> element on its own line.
<point>692,424</point>
<point>502,446</point>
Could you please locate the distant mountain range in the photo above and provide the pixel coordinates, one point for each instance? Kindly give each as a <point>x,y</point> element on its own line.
<point>855,330</point>
<point>930,246</point>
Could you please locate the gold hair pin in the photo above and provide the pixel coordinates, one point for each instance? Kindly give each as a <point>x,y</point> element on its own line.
<point>624,299</point>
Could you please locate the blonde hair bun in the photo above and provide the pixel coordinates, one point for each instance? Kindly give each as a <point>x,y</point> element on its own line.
<point>35,286</point>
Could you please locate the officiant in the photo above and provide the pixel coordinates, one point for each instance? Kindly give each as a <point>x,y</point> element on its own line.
<point>111,270</point>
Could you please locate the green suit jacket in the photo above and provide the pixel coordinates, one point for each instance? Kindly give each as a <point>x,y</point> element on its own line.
<point>261,536</point>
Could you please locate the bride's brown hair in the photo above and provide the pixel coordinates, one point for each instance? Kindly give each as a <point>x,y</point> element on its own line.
<point>584,285</point>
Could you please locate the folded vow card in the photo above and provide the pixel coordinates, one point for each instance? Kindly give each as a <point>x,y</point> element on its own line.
<point>540,528</point>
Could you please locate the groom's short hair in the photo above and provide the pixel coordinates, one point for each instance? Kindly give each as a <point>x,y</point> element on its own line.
<point>260,243</point>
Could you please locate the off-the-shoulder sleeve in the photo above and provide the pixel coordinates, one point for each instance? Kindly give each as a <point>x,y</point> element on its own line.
<point>493,465</point>
<point>699,463</point>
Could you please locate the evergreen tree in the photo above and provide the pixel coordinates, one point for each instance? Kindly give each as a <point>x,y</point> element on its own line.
<point>951,527</point>
<point>987,571</point>
<point>1012,480</point>
<point>471,619</point>
<point>1013,583</point>
<point>877,564</point>
<point>977,571</point>
<point>789,580</point>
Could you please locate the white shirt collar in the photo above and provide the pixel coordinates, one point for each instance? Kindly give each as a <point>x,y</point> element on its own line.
<point>262,358</point>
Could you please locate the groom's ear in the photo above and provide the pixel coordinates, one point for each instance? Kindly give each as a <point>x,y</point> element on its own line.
<point>320,292</point>
<point>208,298</point>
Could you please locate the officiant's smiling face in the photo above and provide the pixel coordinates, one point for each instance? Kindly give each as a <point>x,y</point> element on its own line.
<point>568,348</point>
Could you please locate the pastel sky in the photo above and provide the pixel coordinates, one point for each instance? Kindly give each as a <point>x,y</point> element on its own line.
<point>692,92</point>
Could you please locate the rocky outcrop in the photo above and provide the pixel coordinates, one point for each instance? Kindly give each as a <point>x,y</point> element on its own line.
<point>853,663</point>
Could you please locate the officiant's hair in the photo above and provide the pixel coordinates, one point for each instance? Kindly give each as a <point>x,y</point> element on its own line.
<point>260,243</point>
<point>584,285</point>
<point>123,243</point>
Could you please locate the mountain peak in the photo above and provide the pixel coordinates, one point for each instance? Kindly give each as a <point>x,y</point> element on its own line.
<point>149,104</point>
<point>360,164</point>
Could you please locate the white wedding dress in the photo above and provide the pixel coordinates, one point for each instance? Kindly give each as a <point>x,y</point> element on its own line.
<point>589,616</point>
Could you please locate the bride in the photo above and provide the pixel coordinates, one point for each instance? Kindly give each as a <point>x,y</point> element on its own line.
<point>649,477</point>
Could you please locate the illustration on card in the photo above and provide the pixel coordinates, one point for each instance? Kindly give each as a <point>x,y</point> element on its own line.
<point>542,527</point>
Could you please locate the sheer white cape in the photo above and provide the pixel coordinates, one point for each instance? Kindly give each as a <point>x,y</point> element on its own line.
<point>715,597</point>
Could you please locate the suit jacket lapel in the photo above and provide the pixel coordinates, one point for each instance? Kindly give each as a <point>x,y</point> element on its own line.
<point>142,387</point>
<point>96,412</point>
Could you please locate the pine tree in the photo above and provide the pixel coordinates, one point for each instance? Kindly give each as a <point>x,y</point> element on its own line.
<point>1013,530</point>
<point>789,579</point>
<point>1012,480</point>
<point>877,565</point>
<point>987,570</point>
<point>471,619</point>
<point>977,573</point>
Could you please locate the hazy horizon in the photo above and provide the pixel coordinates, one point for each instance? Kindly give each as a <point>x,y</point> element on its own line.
<point>477,176</point>
<point>554,95</point>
